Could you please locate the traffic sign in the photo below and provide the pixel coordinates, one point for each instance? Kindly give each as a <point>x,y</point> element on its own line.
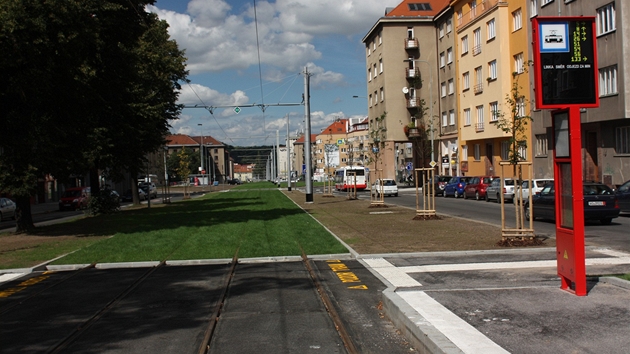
<point>237,110</point>
<point>433,163</point>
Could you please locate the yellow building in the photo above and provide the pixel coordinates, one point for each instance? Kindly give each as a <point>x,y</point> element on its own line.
<point>491,44</point>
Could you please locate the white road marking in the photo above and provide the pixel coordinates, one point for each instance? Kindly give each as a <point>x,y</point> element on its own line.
<point>463,335</point>
<point>9,276</point>
<point>397,277</point>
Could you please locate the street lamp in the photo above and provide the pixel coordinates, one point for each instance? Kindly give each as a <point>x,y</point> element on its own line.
<point>430,98</point>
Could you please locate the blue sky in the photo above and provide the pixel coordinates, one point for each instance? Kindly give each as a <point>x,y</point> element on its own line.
<point>220,41</point>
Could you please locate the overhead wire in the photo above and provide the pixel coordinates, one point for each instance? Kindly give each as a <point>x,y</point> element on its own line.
<point>262,95</point>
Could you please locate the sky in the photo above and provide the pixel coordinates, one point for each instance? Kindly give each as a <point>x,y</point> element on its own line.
<point>246,52</point>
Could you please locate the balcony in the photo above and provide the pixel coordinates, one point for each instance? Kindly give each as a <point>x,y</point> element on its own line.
<point>477,12</point>
<point>478,89</point>
<point>476,50</point>
<point>413,102</point>
<point>411,44</point>
<point>412,73</point>
<point>479,127</point>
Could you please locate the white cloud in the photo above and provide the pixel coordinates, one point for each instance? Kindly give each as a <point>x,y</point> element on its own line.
<point>217,38</point>
<point>195,94</point>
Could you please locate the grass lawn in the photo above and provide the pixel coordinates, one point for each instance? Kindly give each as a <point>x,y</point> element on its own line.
<point>259,223</point>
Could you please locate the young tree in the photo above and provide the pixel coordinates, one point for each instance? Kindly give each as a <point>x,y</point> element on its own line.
<point>184,169</point>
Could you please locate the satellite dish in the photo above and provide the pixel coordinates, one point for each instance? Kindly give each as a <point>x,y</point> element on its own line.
<point>405,90</point>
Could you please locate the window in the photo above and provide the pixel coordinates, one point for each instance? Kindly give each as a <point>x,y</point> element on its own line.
<point>464,45</point>
<point>477,41</point>
<point>533,4</point>
<point>522,152</point>
<point>443,89</point>
<point>442,60</point>
<point>380,38</point>
<point>467,116</point>
<point>520,107</point>
<point>451,117</point>
<point>459,17</point>
<point>622,140</point>
<point>492,70</point>
<point>608,81</point>
<point>479,126</point>
<point>449,55</point>
<point>505,150</point>
<point>444,119</point>
<point>441,30</point>
<point>380,64</point>
<point>382,95</point>
<point>473,8</point>
<point>451,87</point>
<point>375,70</point>
<point>375,98</point>
<point>517,21</point>
<point>370,100</point>
<point>477,152</point>
<point>449,25</point>
<point>466,81</point>
<point>491,29</point>
<point>464,156</point>
<point>478,78</point>
<point>369,75</point>
<point>494,111</point>
<point>606,19</point>
<point>518,63</point>
<point>542,145</point>
<point>545,2</point>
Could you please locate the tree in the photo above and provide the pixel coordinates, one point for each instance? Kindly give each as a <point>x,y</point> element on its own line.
<point>89,85</point>
<point>183,170</point>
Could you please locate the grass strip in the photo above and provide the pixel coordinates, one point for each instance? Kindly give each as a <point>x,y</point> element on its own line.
<point>262,223</point>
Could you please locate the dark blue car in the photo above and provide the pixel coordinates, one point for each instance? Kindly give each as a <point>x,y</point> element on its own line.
<point>455,187</point>
<point>623,195</point>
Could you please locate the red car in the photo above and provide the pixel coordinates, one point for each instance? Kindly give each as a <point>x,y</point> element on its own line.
<point>476,188</point>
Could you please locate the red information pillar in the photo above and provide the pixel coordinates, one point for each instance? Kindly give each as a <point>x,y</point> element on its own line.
<point>565,67</point>
<point>570,251</point>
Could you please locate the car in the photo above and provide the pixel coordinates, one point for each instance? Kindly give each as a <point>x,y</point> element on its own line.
<point>149,188</point>
<point>236,181</point>
<point>623,196</point>
<point>537,186</point>
<point>128,196</point>
<point>7,209</point>
<point>455,186</point>
<point>476,188</point>
<point>493,192</point>
<point>385,186</point>
<point>600,203</point>
<point>439,182</point>
<point>74,198</point>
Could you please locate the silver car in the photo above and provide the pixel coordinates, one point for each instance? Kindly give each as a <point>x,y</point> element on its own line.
<point>499,185</point>
<point>7,209</point>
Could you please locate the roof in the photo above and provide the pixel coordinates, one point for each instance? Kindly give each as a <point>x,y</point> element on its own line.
<point>300,140</point>
<point>185,140</point>
<point>410,10</point>
<point>414,8</point>
<point>337,127</point>
<point>207,140</point>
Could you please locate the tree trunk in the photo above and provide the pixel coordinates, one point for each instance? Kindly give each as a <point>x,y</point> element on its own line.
<point>94,182</point>
<point>133,178</point>
<point>23,217</point>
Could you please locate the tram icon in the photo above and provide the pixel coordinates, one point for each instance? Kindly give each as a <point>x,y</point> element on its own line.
<point>553,37</point>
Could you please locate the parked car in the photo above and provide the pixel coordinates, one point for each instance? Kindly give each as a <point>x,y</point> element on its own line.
<point>476,188</point>
<point>439,182</point>
<point>537,186</point>
<point>7,209</point>
<point>128,196</point>
<point>493,192</point>
<point>74,198</point>
<point>236,181</point>
<point>600,203</point>
<point>149,188</point>
<point>455,186</point>
<point>385,186</point>
<point>623,196</point>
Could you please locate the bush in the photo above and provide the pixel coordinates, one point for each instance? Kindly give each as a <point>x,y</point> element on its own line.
<point>106,202</point>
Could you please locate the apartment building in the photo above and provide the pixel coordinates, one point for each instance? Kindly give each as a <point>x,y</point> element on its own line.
<point>331,150</point>
<point>215,154</point>
<point>491,46</point>
<point>357,141</point>
<point>446,136</point>
<point>605,130</point>
<point>403,87</point>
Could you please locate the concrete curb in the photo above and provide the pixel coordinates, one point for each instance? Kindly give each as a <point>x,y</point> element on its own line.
<point>424,337</point>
